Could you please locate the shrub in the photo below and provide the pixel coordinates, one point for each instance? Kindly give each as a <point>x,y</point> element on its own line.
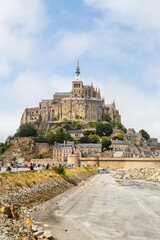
<point>121,127</point>
<point>106,117</point>
<point>39,139</point>
<point>68,137</point>
<point>18,184</point>
<point>50,137</point>
<point>92,124</point>
<point>144,134</point>
<point>5,147</point>
<point>59,170</point>
<point>28,184</point>
<point>119,136</point>
<point>104,129</point>
<point>27,130</point>
<point>93,138</point>
<point>3,174</point>
<point>68,126</point>
<point>106,142</point>
<point>88,132</point>
<point>84,140</point>
<point>79,127</point>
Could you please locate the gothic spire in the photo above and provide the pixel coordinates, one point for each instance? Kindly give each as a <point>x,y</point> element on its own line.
<point>77,68</point>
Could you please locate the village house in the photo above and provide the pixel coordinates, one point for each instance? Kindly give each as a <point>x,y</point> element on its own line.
<point>87,148</point>
<point>62,150</point>
<point>76,134</point>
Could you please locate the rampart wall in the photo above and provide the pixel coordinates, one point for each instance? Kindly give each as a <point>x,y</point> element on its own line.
<point>122,162</point>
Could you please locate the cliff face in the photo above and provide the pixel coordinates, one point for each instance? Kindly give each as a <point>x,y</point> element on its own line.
<point>21,148</point>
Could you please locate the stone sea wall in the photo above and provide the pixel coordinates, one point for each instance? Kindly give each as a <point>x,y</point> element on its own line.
<point>17,203</point>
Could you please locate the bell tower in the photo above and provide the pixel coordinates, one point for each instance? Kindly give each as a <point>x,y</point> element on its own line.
<point>77,84</point>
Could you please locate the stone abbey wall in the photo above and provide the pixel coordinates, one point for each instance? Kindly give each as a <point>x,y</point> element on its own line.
<point>83,101</point>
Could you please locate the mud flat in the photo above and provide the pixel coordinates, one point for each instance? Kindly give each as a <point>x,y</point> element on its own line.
<point>101,208</point>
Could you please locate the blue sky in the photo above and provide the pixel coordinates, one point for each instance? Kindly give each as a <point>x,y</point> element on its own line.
<point>117,42</point>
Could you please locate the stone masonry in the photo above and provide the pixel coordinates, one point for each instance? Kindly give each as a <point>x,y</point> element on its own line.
<point>84,102</point>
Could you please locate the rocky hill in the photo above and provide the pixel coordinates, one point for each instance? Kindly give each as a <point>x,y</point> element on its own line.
<point>28,147</point>
<point>25,148</point>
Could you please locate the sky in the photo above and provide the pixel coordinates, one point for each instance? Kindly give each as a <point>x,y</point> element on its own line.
<point>117,43</point>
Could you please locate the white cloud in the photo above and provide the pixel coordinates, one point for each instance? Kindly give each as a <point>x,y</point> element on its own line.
<point>152,76</point>
<point>20,20</point>
<point>139,110</point>
<point>126,34</point>
<point>71,45</point>
<point>141,14</point>
<point>9,123</point>
<point>27,90</point>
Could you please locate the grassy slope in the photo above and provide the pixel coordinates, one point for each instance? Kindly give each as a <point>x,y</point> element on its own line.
<point>28,179</point>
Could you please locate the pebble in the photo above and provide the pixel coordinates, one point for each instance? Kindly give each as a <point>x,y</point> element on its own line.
<point>148,174</point>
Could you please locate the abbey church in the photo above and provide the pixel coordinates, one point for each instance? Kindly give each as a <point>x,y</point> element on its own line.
<point>84,102</point>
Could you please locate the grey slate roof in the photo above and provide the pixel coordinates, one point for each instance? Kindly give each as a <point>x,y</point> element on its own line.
<point>76,131</point>
<point>89,145</point>
<point>62,145</point>
<point>62,93</point>
<point>119,142</point>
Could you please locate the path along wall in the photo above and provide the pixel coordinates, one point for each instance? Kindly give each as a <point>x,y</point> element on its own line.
<point>122,162</point>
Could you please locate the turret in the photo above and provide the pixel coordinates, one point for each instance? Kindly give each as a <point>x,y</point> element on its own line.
<point>77,68</point>
<point>92,89</point>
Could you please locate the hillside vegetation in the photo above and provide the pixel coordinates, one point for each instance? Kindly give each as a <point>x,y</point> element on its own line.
<point>94,132</point>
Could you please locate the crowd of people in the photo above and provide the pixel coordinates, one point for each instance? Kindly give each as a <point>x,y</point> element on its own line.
<point>31,166</point>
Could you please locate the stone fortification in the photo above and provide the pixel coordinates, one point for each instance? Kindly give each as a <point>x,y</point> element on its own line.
<point>116,163</point>
<point>83,102</point>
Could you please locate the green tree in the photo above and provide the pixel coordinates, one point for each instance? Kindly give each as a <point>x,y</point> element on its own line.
<point>60,136</point>
<point>106,117</point>
<point>92,124</point>
<point>100,129</point>
<point>104,129</point>
<point>106,143</point>
<point>39,139</point>
<point>68,137</point>
<point>84,140</point>
<point>68,126</point>
<point>144,134</point>
<point>120,136</point>
<point>121,127</point>
<point>89,132</point>
<point>50,137</point>
<point>79,127</point>
<point>94,138</point>
<point>27,130</point>
<point>108,129</point>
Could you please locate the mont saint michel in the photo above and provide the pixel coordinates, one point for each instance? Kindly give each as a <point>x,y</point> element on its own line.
<point>84,102</point>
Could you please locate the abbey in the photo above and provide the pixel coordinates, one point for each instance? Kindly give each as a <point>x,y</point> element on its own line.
<point>84,102</point>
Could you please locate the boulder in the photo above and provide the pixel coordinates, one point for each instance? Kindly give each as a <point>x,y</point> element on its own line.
<point>14,213</point>
<point>6,210</point>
